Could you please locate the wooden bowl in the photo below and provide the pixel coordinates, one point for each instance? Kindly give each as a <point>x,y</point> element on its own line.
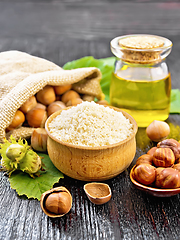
<point>91,163</point>
<point>157,192</point>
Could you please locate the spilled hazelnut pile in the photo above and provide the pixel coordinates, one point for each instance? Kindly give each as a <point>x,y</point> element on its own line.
<point>160,167</point>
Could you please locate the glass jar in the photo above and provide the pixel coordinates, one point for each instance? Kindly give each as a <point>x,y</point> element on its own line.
<point>141,82</point>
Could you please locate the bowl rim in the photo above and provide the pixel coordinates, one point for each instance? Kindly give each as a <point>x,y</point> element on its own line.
<point>127,115</point>
<point>152,189</point>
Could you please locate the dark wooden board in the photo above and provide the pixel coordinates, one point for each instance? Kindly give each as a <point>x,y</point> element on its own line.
<point>62,31</point>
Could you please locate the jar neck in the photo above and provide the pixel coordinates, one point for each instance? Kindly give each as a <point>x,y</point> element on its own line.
<point>134,64</point>
<point>119,63</point>
<point>141,71</point>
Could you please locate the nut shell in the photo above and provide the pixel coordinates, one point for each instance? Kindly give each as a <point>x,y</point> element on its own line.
<point>145,158</point>
<point>98,193</point>
<point>177,166</point>
<point>163,157</point>
<point>151,151</point>
<point>56,202</point>
<point>157,130</point>
<point>145,173</point>
<point>167,178</point>
<point>17,121</point>
<point>46,96</point>
<point>69,95</point>
<point>172,144</point>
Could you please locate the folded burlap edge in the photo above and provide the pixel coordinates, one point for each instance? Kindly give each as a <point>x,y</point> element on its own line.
<point>31,85</point>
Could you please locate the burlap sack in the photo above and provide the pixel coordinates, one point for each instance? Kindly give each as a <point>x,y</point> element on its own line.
<point>23,75</point>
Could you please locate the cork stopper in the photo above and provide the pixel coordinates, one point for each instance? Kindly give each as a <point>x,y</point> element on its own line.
<point>141,49</point>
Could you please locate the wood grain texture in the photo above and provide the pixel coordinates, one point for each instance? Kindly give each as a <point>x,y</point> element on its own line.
<point>62,31</point>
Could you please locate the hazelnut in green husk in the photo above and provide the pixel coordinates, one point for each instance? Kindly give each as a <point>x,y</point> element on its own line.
<point>19,156</point>
<point>15,152</point>
<point>31,163</point>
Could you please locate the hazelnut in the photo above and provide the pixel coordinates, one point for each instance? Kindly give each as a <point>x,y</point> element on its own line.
<point>145,173</point>
<point>102,102</point>
<point>145,158</point>
<point>74,102</point>
<point>69,95</point>
<point>176,166</point>
<point>40,105</point>
<point>56,202</point>
<point>36,117</point>
<point>157,130</point>
<point>62,89</point>
<point>39,140</point>
<point>54,107</point>
<point>46,96</point>
<point>172,144</point>
<point>167,178</point>
<point>17,121</point>
<point>29,104</point>
<point>151,151</point>
<point>163,157</point>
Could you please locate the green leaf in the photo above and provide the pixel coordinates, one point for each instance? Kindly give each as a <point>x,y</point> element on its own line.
<point>106,66</point>
<point>34,187</point>
<point>175,101</point>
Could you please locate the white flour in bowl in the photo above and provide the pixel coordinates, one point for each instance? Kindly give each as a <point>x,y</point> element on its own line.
<point>90,124</point>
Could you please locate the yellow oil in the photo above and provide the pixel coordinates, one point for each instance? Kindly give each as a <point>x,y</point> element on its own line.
<point>144,100</point>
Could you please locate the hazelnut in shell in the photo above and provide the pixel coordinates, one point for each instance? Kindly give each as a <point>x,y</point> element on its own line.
<point>151,151</point>
<point>56,202</point>
<point>167,178</point>
<point>157,130</point>
<point>145,174</point>
<point>62,89</point>
<point>102,102</point>
<point>176,166</point>
<point>172,144</point>
<point>69,95</point>
<point>29,104</point>
<point>39,139</point>
<point>36,117</point>
<point>46,96</point>
<point>163,157</point>
<point>54,107</point>
<point>145,158</point>
<point>98,193</point>
<point>40,105</point>
<point>17,121</point>
<point>74,102</point>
